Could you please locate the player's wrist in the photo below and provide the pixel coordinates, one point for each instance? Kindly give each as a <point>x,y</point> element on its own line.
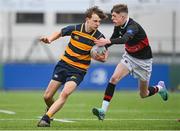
<point>49,39</point>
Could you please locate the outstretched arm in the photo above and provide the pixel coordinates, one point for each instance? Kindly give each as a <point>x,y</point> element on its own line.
<point>50,38</point>
<point>102,42</point>
<point>117,39</point>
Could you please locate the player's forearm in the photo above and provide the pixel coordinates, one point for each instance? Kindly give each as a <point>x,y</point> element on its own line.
<point>122,40</point>
<point>113,41</point>
<point>54,36</point>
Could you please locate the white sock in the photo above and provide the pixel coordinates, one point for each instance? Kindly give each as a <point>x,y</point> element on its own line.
<point>105,105</point>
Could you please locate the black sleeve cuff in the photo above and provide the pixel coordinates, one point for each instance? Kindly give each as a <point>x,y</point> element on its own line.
<point>115,41</point>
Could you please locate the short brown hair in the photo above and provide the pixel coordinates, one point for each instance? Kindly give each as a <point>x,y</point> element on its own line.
<point>120,8</point>
<point>95,10</point>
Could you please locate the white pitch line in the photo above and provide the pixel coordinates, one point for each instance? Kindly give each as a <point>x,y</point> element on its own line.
<point>82,119</point>
<point>7,112</point>
<point>63,120</point>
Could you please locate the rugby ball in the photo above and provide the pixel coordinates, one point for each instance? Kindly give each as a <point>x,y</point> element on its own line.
<point>98,49</point>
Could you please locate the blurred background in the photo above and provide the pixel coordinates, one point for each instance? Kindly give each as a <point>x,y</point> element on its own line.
<point>27,64</point>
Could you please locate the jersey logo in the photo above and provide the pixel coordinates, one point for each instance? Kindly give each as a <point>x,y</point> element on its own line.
<point>76,37</point>
<point>130,31</point>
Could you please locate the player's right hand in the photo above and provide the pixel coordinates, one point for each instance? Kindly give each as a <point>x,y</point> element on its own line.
<point>101,58</point>
<point>45,40</point>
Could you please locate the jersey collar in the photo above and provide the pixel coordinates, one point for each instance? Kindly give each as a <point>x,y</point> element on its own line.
<point>122,27</point>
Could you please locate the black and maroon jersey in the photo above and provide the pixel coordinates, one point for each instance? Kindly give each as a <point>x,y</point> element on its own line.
<point>135,39</point>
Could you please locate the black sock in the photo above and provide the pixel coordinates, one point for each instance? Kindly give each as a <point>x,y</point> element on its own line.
<point>153,90</point>
<point>109,92</point>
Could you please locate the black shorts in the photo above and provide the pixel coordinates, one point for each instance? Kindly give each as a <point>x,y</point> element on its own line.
<point>64,72</point>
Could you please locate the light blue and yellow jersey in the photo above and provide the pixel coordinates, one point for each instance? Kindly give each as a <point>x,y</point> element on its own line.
<point>77,52</point>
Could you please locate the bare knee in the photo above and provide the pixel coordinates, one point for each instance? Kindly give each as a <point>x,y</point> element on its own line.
<point>64,94</point>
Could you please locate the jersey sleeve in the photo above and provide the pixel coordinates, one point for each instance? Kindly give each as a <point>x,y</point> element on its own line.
<point>101,36</point>
<point>128,35</point>
<point>115,33</point>
<point>66,31</point>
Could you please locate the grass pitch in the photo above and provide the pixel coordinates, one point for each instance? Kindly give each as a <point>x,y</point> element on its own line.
<point>127,112</point>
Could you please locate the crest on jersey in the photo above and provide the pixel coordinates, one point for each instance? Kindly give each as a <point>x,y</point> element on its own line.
<point>130,31</point>
<point>76,37</point>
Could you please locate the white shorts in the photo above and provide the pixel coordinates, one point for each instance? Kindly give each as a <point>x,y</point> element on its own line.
<point>139,68</point>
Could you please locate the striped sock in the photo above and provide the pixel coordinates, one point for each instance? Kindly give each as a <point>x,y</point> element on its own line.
<point>108,96</point>
<point>109,92</point>
<point>153,90</point>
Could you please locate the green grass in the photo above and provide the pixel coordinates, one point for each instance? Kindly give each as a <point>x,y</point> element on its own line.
<point>127,112</point>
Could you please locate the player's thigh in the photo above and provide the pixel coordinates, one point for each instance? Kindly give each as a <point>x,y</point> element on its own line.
<point>143,86</point>
<point>52,88</point>
<point>120,71</point>
<point>69,87</point>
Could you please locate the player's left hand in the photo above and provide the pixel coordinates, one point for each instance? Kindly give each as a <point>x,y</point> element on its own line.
<point>102,42</point>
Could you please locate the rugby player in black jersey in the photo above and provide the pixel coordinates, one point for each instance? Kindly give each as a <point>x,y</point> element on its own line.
<point>73,65</point>
<point>137,59</point>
